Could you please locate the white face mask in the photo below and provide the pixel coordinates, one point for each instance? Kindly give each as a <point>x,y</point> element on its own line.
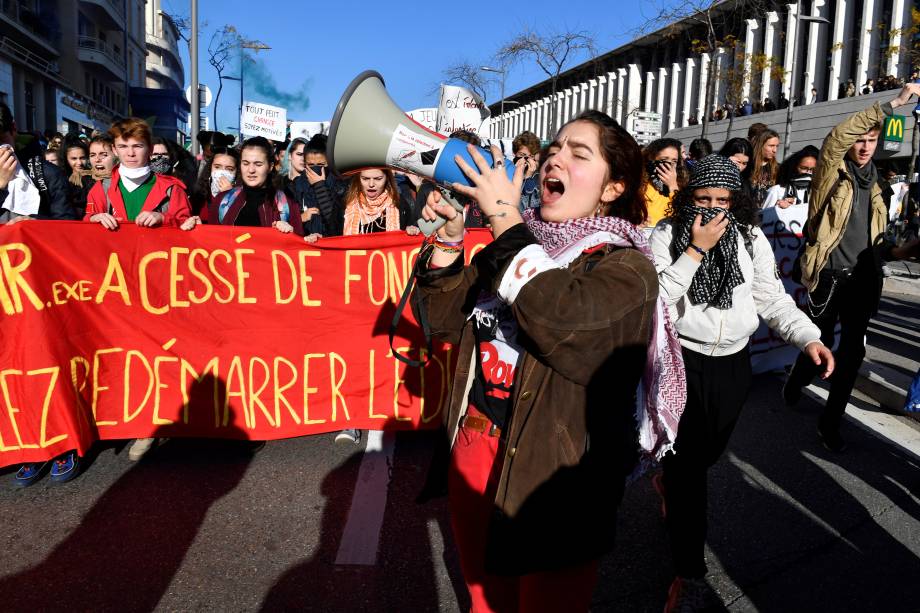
<point>132,178</point>
<point>220,174</point>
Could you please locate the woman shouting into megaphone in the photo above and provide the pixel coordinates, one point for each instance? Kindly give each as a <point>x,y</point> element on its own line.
<point>556,322</point>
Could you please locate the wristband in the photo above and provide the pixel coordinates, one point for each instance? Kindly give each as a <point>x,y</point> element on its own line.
<point>698,250</point>
<point>447,249</point>
<point>458,243</point>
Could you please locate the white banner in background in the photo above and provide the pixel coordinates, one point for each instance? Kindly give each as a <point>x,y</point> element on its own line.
<point>306,129</point>
<point>783,229</point>
<point>461,109</point>
<point>264,120</point>
<point>427,117</point>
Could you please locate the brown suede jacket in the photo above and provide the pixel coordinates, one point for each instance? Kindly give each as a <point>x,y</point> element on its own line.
<point>571,437</point>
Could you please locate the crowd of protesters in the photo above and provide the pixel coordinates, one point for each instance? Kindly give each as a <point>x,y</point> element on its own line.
<point>612,267</point>
<point>847,89</point>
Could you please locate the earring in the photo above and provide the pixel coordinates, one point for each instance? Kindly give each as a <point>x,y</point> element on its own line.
<point>599,211</point>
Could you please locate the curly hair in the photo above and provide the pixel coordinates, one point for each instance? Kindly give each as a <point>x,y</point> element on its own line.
<point>651,150</point>
<point>742,207</point>
<point>624,163</point>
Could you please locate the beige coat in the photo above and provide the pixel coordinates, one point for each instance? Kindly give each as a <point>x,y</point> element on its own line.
<point>832,195</point>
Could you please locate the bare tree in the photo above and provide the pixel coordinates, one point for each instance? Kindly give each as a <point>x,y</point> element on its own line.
<point>710,25</point>
<point>468,75</point>
<point>223,42</point>
<point>551,52</point>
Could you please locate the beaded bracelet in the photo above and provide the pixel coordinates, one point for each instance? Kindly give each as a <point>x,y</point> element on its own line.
<point>449,248</point>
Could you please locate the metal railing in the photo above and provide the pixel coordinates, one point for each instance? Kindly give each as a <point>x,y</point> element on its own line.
<point>14,49</point>
<point>95,44</point>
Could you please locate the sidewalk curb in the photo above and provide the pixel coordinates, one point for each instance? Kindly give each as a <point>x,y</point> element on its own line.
<point>901,284</point>
<point>886,386</point>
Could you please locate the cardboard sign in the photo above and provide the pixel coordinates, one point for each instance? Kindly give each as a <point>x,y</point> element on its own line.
<point>461,109</point>
<point>264,120</point>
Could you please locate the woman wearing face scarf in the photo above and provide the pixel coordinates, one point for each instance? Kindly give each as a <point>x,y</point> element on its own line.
<point>665,175</point>
<point>794,180</point>
<point>220,175</point>
<point>257,203</point>
<point>554,324</point>
<point>717,272</point>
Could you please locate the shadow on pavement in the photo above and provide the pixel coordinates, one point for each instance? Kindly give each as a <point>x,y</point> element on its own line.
<point>128,547</point>
<point>405,577</point>
<point>797,527</point>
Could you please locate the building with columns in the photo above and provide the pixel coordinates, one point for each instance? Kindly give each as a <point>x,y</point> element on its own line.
<point>666,73</point>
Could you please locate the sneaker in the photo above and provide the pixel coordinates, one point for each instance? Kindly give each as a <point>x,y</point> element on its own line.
<point>690,595</point>
<point>791,394</point>
<point>140,447</point>
<point>886,271</point>
<point>348,436</point>
<point>30,473</point>
<point>65,467</point>
<point>831,439</point>
<point>658,484</point>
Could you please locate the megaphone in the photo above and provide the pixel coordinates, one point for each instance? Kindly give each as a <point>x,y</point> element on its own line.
<point>369,130</point>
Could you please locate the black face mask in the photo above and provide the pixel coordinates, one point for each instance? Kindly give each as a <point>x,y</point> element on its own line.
<point>802,181</point>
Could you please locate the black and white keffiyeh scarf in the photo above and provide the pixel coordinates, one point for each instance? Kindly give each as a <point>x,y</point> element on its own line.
<point>720,273</point>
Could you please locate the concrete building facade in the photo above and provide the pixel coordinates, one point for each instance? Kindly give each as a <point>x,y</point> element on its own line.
<point>666,72</point>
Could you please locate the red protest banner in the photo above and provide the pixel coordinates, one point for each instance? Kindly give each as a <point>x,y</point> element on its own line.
<point>212,333</point>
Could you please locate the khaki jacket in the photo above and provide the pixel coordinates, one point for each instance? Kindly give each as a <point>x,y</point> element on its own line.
<point>833,191</point>
<point>571,437</point>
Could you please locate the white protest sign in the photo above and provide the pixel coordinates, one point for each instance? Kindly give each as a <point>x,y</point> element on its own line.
<point>264,120</point>
<point>427,117</point>
<point>461,109</point>
<point>783,229</point>
<point>306,129</point>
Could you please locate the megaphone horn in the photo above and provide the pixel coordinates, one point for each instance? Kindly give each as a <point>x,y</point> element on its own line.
<point>370,131</point>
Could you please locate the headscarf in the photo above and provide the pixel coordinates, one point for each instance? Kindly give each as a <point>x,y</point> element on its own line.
<point>720,272</point>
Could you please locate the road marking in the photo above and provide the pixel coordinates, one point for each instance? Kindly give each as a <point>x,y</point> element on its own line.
<point>882,425</point>
<point>361,536</point>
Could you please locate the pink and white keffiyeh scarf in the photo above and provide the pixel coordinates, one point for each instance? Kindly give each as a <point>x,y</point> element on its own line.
<point>662,392</point>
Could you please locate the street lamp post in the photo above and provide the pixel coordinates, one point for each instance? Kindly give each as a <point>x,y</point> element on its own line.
<point>501,113</point>
<point>799,19</point>
<point>256,46</point>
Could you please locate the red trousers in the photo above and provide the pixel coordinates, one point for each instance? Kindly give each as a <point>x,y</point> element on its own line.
<point>472,483</point>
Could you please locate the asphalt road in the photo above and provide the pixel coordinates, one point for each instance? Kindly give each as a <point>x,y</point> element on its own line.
<point>219,526</point>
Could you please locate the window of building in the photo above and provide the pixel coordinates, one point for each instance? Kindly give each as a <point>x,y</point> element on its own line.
<point>29,91</point>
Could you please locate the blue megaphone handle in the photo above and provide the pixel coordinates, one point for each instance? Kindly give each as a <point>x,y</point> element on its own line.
<point>446,171</point>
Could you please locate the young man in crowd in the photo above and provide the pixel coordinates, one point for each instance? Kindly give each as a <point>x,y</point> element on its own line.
<point>136,194</point>
<point>841,262</point>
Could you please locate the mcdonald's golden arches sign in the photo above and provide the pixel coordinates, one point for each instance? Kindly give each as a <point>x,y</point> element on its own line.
<point>893,130</point>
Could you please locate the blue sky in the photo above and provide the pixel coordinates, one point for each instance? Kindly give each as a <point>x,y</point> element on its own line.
<point>318,47</point>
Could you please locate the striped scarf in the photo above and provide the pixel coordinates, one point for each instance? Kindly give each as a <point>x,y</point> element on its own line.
<point>720,272</point>
<point>662,392</point>
<point>361,211</point>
